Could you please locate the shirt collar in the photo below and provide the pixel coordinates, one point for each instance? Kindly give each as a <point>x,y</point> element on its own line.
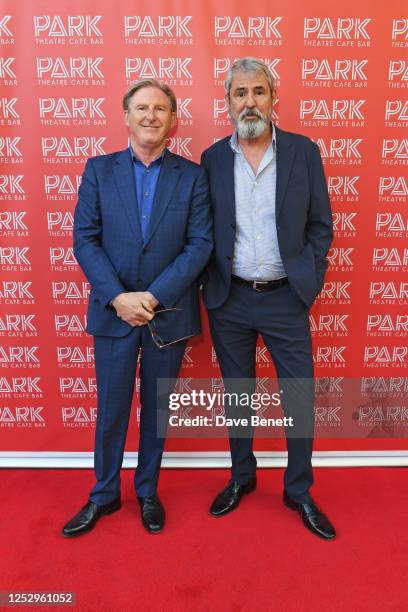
<point>157,159</point>
<point>237,149</point>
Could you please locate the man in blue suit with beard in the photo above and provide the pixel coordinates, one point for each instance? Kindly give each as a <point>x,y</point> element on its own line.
<point>272,231</point>
<point>142,236</point>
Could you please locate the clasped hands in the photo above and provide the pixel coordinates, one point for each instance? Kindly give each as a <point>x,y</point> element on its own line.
<point>135,307</point>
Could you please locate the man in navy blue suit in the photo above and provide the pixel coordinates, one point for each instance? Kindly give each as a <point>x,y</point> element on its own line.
<point>272,231</point>
<point>142,235</point>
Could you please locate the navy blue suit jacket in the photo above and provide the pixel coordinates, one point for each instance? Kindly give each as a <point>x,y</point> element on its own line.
<point>303,216</point>
<point>110,249</point>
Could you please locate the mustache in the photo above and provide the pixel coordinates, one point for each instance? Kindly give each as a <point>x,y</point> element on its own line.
<point>247,112</point>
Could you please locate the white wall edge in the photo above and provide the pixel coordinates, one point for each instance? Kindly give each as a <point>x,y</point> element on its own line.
<point>266,459</point>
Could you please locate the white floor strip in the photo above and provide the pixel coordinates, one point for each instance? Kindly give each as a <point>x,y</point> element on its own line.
<point>265,459</point>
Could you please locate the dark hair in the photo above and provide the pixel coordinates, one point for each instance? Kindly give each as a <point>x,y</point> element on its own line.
<point>150,83</point>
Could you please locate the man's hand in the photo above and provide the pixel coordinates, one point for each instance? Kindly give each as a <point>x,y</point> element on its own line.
<point>135,307</point>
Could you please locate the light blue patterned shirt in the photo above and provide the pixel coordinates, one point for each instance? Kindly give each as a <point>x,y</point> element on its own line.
<point>256,250</point>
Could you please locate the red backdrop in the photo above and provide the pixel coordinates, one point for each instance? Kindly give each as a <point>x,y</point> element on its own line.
<point>341,74</point>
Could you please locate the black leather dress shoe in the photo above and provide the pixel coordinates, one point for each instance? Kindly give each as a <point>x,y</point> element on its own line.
<point>229,498</point>
<point>312,517</point>
<point>152,512</point>
<point>87,517</point>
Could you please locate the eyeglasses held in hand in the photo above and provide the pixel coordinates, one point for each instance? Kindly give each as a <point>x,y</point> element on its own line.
<point>157,339</point>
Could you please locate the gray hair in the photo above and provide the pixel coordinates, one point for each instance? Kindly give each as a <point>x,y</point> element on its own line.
<point>248,64</point>
<point>150,83</point>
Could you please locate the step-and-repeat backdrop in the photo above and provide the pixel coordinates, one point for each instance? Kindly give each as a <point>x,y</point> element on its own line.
<point>341,77</point>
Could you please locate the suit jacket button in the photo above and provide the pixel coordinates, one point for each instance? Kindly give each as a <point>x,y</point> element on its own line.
<point>233,226</point>
<point>138,282</point>
<point>229,258</point>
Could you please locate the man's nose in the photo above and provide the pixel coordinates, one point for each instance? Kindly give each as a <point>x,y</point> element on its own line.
<point>250,101</point>
<point>150,113</point>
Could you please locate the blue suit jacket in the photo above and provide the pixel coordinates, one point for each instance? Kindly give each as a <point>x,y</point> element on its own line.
<point>110,249</point>
<point>303,216</point>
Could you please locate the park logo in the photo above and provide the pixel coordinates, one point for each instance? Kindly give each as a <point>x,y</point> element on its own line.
<point>340,259</point>
<point>329,325</point>
<point>20,386</point>
<point>71,325</point>
<point>340,151</point>
<point>399,35</point>
<point>18,325</point>
<point>19,356</point>
<point>60,223</point>
<point>398,74</point>
<point>79,416</point>
<point>387,325</point>
<point>16,292</point>
<point>386,259</point>
<point>72,111</point>
<point>340,32</point>
<point>343,188</point>
<point>158,30</point>
<point>394,151</point>
<point>335,292</point>
<point>385,356</point>
<point>70,292</point>
<point>69,71</point>
<point>338,73</point>
<point>61,187</point>
<point>62,259</point>
<point>10,152</point>
<point>8,77</point>
<point>65,150</point>
<point>22,417</point>
<point>251,31</point>
<point>171,70</point>
<point>9,116</point>
<point>184,116</point>
<point>75,356</point>
<point>382,292</point>
<point>332,356</point>
<point>15,259</point>
<point>393,189</point>
<point>391,225</point>
<point>57,30</point>
<point>11,188</point>
<point>343,225</point>
<point>77,387</point>
<point>336,113</point>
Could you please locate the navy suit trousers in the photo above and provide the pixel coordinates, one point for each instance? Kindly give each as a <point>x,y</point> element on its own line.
<point>115,364</point>
<point>283,322</point>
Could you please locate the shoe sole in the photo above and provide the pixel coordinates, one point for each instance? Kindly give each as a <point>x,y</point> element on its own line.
<point>88,529</point>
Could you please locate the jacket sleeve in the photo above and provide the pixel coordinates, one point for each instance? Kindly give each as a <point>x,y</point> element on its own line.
<point>319,228</point>
<point>177,277</point>
<point>88,250</point>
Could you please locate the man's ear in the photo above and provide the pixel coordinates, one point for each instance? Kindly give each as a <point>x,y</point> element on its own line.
<point>126,118</point>
<point>173,120</point>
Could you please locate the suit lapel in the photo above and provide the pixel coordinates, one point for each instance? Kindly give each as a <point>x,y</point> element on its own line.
<point>226,176</point>
<point>285,154</point>
<point>168,178</point>
<point>125,182</point>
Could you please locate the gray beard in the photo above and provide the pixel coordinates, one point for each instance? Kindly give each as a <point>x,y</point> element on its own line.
<point>251,129</point>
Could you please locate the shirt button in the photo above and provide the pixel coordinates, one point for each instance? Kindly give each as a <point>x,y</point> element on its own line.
<point>144,217</point>
<point>146,193</point>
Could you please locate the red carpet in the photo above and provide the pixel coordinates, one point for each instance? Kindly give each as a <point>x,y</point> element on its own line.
<point>259,558</point>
